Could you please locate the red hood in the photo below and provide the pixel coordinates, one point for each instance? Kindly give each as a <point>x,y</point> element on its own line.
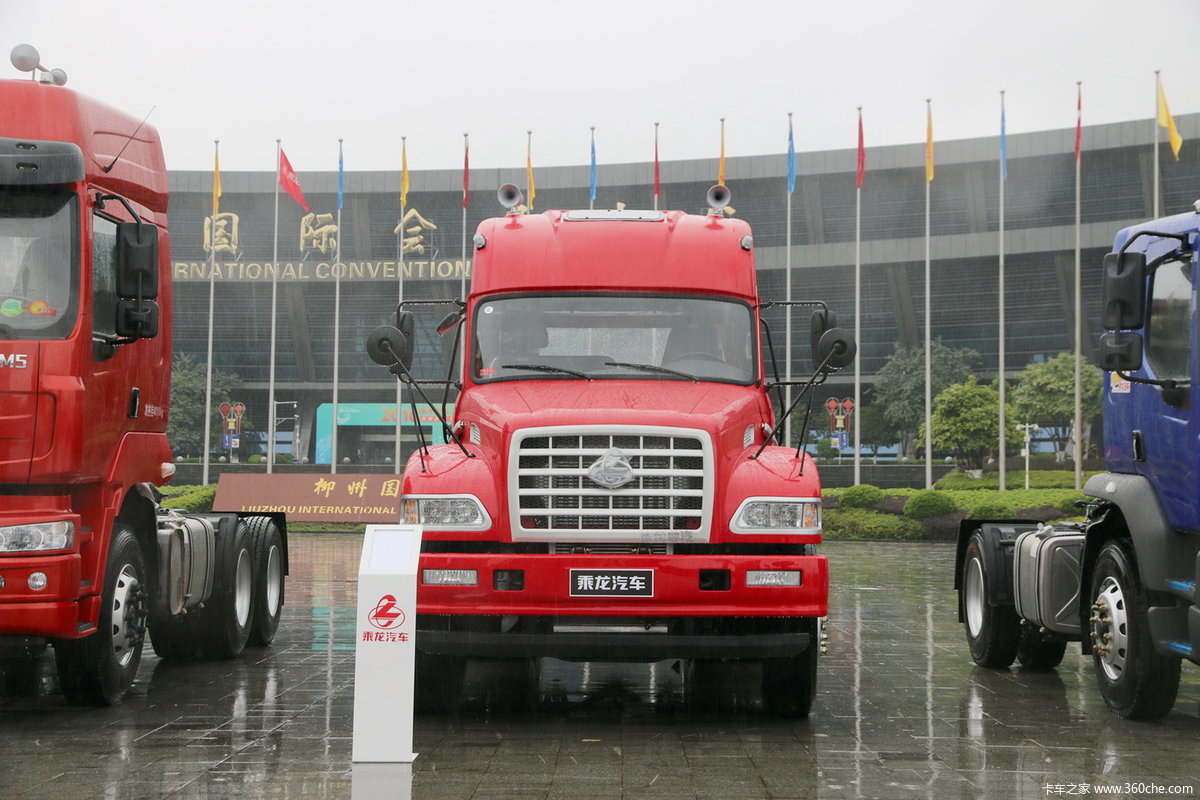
<point>537,403</point>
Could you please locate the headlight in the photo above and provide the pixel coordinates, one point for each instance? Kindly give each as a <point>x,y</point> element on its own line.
<point>37,536</point>
<point>777,515</point>
<point>459,512</point>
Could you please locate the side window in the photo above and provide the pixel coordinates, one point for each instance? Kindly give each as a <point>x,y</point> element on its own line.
<point>1168,330</point>
<point>104,275</point>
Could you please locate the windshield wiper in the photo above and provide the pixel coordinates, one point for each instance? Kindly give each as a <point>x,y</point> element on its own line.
<point>548,368</point>
<point>652,368</point>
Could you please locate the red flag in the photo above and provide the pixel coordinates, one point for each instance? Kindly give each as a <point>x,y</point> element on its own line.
<point>466,171</point>
<point>289,181</point>
<point>862,152</point>
<point>657,184</point>
<point>1078,120</point>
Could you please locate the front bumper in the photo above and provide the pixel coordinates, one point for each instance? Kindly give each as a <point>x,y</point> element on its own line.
<point>696,620</point>
<point>55,611</point>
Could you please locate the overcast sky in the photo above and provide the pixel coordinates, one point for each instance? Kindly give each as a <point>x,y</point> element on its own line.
<point>369,71</point>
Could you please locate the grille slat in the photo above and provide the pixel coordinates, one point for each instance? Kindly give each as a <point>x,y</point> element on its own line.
<point>667,491</point>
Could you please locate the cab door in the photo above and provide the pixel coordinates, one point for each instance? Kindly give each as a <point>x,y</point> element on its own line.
<point>1164,418</point>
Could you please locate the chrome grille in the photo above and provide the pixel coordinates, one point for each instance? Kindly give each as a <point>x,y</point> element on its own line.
<point>668,495</point>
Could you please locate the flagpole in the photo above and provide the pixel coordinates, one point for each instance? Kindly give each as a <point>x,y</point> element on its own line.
<point>592,188</point>
<point>337,317</point>
<point>787,428</point>
<point>462,289</point>
<point>721,171</point>
<point>400,297</point>
<point>529,168</point>
<point>271,433</point>
<point>656,173</point>
<point>1079,310</point>
<point>928,307</point>
<point>1001,359</point>
<point>857,329</point>
<point>1155,127</point>
<point>212,268</point>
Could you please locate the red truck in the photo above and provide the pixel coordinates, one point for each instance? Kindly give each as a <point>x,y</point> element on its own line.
<point>611,490</point>
<point>89,559</point>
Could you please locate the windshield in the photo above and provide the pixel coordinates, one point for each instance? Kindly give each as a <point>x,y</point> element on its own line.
<point>668,337</point>
<point>38,262</point>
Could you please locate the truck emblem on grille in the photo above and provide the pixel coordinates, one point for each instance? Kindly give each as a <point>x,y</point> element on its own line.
<point>611,470</point>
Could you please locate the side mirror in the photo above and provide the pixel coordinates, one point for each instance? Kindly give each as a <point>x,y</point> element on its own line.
<point>838,346</point>
<point>1120,351</point>
<point>449,321</point>
<point>137,319</point>
<point>1123,291</point>
<point>388,346</point>
<point>822,320</point>
<point>137,260</point>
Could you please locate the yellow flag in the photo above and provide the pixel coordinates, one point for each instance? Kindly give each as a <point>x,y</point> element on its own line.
<point>928,143</point>
<point>721,169</point>
<point>529,169</point>
<point>216,184</point>
<point>1166,121</point>
<point>403,172</point>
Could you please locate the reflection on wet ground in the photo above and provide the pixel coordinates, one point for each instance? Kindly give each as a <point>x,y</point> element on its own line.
<point>900,712</point>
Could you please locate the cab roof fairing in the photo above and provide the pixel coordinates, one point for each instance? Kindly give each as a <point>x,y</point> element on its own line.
<point>682,253</point>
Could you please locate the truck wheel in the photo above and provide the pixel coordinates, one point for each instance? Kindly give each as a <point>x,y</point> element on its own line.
<point>226,618</point>
<point>1136,681</point>
<point>98,669</point>
<point>789,685</point>
<point>993,632</point>
<point>267,546</point>
<point>438,682</point>
<point>1036,651</point>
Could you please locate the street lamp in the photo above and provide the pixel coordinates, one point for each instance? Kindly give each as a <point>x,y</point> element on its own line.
<point>274,433</point>
<point>1027,428</point>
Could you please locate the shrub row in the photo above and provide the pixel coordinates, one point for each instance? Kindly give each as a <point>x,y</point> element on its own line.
<point>1038,479</point>
<point>198,501</point>
<point>862,523</point>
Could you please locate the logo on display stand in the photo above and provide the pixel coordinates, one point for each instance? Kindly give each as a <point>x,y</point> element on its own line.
<point>386,614</point>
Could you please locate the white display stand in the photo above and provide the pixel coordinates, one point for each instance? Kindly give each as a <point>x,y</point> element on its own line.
<point>385,644</point>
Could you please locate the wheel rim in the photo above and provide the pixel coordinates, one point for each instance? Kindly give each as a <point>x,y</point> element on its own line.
<point>243,588</point>
<point>128,616</point>
<point>1110,629</point>
<point>974,596</point>
<point>274,585</point>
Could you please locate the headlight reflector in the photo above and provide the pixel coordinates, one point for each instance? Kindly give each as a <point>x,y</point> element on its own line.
<point>777,515</point>
<point>37,536</point>
<point>772,577</point>
<point>449,577</point>
<point>460,512</point>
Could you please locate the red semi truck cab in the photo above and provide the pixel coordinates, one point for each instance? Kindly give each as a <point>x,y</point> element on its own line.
<point>612,493</point>
<point>89,560</point>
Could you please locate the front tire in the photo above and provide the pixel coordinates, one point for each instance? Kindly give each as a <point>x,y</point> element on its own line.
<point>789,685</point>
<point>1136,681</point>
<point>98,669</point>
<point>993,632</point>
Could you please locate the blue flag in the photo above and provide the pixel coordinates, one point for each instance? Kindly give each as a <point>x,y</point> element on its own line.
<point>340,176</point>
<point>592,194</point>
<point>791,158</point>
<point>1003,145</point>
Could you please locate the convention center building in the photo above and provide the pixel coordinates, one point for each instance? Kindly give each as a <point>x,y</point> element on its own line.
<point>353,265</point>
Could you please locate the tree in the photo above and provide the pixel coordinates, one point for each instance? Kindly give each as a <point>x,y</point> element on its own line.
<point>900,384</point>
<point>1045,394</point>
<point>874,431</point>
<point>966,420</point>
<point>185,425</point>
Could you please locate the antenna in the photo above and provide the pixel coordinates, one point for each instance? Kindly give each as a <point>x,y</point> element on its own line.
<point>130,139</point>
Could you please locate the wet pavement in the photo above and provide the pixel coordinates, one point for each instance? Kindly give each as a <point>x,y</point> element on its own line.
<point>900,712</point>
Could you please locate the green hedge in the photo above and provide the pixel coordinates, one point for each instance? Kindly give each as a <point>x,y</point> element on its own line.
<point>862,523</point>
<point>1038,479</point>
<point>928,503</point>
<point>992,509</point>
<point>863,495</point>
<point>198,501</point>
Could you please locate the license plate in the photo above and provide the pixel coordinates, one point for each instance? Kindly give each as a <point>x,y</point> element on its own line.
<point>612,583</point>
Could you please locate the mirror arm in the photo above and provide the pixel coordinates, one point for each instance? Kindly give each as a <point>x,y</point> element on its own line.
<point>808,385</point>
<point>401,372</point>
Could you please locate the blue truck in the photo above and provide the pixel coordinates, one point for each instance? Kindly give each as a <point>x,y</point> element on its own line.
<point>1123,581</point>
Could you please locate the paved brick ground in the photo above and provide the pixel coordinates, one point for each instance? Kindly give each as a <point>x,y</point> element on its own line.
<point>901,713</point>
